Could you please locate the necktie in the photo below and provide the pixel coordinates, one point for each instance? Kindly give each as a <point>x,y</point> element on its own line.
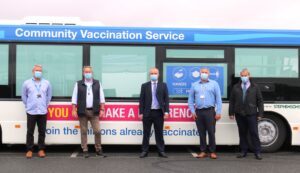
<point>244,91</point>
<point>154,99</point>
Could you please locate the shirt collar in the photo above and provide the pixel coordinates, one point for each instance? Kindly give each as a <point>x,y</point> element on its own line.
<point>154,82</point>
<point>35,80</point>
<point>247,83</point>
<point>88,82</point>
<point>201,82</point>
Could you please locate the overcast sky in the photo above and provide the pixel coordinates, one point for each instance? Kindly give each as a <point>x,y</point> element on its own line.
<point>266,14</point>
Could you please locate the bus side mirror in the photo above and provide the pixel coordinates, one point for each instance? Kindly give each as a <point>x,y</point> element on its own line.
<point>266,86</point>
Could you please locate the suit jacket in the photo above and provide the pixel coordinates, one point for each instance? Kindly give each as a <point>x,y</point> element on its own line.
<point>162,96</point>
<point>253,104</point>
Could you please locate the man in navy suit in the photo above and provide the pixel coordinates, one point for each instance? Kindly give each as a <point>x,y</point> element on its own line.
<point>246,105</point>
<point>154,108</point>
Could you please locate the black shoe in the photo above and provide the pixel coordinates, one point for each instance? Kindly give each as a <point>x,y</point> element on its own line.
<point>144,154</point>
<point>162,154</point>
<point>100,154</point>
<point>258,157</point>
<point>241,155</point>
<point>86,154</point>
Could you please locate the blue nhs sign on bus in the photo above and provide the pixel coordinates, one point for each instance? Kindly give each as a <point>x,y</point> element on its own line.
<point>179,77</point>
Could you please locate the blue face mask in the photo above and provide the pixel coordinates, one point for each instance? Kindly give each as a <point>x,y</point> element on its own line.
<point>245,79</point>
<point>88,75</point>
<point>204,76</point>
<point>154,77</point>
<point>38,74</point>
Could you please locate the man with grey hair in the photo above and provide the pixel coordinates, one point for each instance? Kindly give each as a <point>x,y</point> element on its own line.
<point>36,96</point>
<point>246,105</point>
<point>88,105</point>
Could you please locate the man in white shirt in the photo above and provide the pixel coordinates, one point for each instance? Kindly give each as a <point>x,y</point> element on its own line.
<point>88,98</point>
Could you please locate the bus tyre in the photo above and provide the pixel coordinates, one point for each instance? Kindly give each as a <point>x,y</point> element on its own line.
<point>272,133</point>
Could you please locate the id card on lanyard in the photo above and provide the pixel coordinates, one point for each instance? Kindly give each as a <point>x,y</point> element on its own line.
<point>202,92</point>
<point>38,86</point>
<point>89,88</point>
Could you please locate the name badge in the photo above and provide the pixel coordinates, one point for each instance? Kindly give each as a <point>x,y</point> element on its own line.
<point>202,96</point>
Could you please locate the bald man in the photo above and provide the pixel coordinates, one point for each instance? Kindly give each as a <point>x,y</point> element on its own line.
<point>205,104</point>
<point>154,108</point>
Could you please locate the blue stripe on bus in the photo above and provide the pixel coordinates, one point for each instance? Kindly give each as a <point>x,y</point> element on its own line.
<point>1,34</point>
<point>148,35</point>
<point>238,37</point>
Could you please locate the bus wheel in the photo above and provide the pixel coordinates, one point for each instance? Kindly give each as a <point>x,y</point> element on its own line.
<point>272,133</point>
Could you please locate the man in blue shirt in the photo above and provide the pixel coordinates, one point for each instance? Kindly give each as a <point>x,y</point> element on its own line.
<point>36,96</point>
<point>205,104</point>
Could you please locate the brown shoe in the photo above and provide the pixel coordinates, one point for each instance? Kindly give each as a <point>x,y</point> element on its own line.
<point>201,155</point>
<point>213,156</point>
<point>29,154</point>
<point>41,154</point>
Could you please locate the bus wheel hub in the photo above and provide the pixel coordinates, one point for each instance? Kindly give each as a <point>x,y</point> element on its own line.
<point>268,132</point>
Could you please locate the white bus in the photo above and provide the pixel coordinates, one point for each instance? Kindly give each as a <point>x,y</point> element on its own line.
<point>121,58</point>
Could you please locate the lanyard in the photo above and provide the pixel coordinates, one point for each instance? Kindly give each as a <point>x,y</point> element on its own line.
<point>37,87</point>
<point>89,87</point>
<point>202,90</point>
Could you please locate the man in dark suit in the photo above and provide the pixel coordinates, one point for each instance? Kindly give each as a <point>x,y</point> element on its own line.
<point>246,105</point>
<point>154,108</point>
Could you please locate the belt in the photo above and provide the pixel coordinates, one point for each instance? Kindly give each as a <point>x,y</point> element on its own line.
<point>205,109</point>
<point>90,109</point>
<point>156,109</point>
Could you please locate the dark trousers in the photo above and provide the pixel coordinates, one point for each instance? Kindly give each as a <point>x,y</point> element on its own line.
<point>206,123</point>
<point>41,121</point>
<point>156,117</point>
<point>248,124</point>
